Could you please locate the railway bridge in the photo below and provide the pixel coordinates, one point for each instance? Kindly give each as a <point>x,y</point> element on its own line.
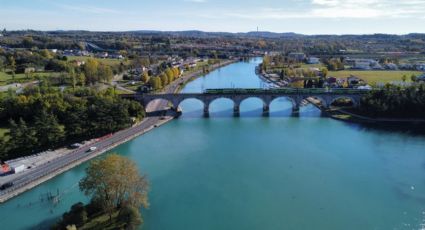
<point>296,96</point>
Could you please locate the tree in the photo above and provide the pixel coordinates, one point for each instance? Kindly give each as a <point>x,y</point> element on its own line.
<point>156,83</point>
<point>176,72</point>
<point>49,131</point>
<point>145,77</point>
<point>76,216</point>
<point>413,78</point>
<point>91,70</point>
<point>170,75</point>
<point>21,137</point>
<point>12,65</point>
<point>131,216</point>
<point>164,79</point>
<point>404,78</point>
<point>325,72</point>
<point>105,73</point>
<point>82,79</point>
<point>115,182</point>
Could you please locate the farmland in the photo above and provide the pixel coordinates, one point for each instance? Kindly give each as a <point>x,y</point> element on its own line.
<point>373,77</point>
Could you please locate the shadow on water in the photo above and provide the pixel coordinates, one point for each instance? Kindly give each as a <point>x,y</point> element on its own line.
<point>405,129</point>
<point>45,224</point>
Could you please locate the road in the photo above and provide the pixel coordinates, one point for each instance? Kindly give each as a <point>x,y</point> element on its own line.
<point>26,179</point>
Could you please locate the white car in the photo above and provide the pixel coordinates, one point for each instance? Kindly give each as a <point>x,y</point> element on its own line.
<point>91,149</point>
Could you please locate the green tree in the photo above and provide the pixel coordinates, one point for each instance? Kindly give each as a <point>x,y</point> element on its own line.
<point>131,217</point>
<point>21,137</point>
<point>91,70</point>
<point>170,75</point>
<point>413,78</point>
<point>82,79</point>
<point>105,73</point>
<point>49,131</point>
<point>164,79</point>
<point>115,182</point>
<point>156,83</point>
<point>145,77</point>
<point>176,72</point>
<point>404,78</point>
<point>12,66</point>
<point>325,72</point>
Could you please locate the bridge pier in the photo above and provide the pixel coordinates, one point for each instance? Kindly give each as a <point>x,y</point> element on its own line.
<point>296,108</point>
<point>266,110</point>
<point>206,110</point>
<point>236,110</point>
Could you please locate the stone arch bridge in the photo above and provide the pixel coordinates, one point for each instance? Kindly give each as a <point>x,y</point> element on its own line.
<point>296,96</point>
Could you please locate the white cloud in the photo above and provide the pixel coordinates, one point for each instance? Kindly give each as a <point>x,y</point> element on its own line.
<point>378,9</point>
<point>87,9</point>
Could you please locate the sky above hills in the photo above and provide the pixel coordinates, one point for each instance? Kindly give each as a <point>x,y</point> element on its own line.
<point>300,16</point>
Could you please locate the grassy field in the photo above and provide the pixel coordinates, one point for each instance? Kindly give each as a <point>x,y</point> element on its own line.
<point>4,77</point>
<point>373,77</point>
<point>8,79</point>
<point>106,61</point>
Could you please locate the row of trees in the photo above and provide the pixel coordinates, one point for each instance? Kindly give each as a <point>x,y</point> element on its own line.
<point>394,101</point>
<point>117,189</point>
<point>44,117</point>
<point>163,79</point>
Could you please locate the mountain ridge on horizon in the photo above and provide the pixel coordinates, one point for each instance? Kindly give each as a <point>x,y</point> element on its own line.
<point>200,33</point>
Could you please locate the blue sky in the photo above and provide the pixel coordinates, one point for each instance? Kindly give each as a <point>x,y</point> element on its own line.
<point>300,16</point>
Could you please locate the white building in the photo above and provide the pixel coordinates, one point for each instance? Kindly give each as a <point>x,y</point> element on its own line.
<point>313,60</point>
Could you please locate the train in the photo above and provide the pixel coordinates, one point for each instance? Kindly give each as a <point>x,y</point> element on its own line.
<point>286,91</point>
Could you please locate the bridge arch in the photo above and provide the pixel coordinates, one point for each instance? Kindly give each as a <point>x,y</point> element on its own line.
<point>193,108</point>
<point>293,103</point>
<point>190,99</point>
<point>208,103</point>
<point>155,101</point>
<point>264,106</point>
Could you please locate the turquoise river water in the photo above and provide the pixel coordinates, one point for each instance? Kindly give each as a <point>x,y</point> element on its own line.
<point>285,171</point>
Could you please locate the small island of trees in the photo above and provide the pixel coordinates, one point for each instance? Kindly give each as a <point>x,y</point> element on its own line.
<point>118,191</point>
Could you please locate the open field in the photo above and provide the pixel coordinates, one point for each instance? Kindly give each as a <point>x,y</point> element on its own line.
<point>106,61</point>
<point>373,77</point>
<point>21,78</point>
<point>4,77</point>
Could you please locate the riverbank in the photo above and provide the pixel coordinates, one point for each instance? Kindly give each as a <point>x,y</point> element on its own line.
<point>35,176</point>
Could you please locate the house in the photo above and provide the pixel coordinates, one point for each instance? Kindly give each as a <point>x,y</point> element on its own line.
<point>363,64</point>
<point>391,66</point>
<point>116,56</point>
<point>102,55</point>
<point>78,63</point>
<point>420,67</point>
<point>331,80</point>
<point>29,70</point>
<point>354,81</point>
<point>313,60</point>
<point>421,78</point>
<point>298,57</point>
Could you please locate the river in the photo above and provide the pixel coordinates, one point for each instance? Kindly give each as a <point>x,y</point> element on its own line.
<point>285,171</point>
